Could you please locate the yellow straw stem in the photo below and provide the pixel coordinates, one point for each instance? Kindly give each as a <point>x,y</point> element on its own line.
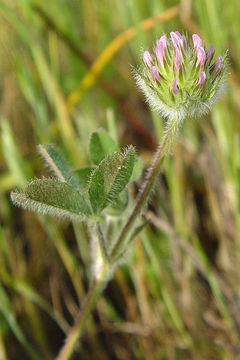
<point>111,49</point>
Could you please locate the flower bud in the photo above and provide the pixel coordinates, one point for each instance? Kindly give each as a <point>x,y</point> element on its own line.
<point>147,58</point>
<point>174,86</point>
<point>218,65</point>
<point>160,51</point>
<point>177,61</point>
<point>163,39</point>
<point>201,79</point>
<point>177,40</point>
<point>197,41</point>
<point>155,73</point>
<point>181,78</point>
<point>210,52</point>
<point>201,56</point>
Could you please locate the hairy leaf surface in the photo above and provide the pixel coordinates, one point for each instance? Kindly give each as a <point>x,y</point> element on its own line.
<point>48,196</point>
<point>57,163</point>
<point>110,178</point>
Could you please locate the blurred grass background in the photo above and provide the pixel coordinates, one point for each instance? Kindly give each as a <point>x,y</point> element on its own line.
<point>65,70</point>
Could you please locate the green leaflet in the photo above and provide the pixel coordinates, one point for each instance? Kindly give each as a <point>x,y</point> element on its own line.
<point>57,164</point>
<point>117,207</point>
<point>110,178</point>
<point>83,176</point>
<point>101,145</point>
<point>137,170</point>
<point>48,196</point>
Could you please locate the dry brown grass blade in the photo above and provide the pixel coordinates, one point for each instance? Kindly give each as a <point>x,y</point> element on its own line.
<point>226,289</point>
<point>185,14</point>
<point>98,65</point>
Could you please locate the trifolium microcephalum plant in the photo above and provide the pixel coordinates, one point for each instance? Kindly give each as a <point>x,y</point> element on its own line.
<point>180,78</point>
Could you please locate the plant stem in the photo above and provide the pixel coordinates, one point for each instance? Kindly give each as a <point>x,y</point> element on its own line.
<point>143,196</point>
<point>102,243</point>
<point>88,305</point>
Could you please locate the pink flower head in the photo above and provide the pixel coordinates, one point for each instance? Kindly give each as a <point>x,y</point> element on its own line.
<point>160,51</point>
<point>218,65</point>
<point>177,40</point>
<point>174,86</point>
<point>181,77</point>
<point>147,58</point>
<point>210,52</point>
<point>197,41</point>
<point>201,79</point>
<point>155,73</point>
<point>201,56</point>
<point>177,62</point>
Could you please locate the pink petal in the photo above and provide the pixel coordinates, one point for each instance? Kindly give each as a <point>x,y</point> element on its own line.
<point>176,40</point>
<point>218,65</point>
<point>201,79</point>
<point>147,58</point>
<point>179,35</point>
<point>177,61</point>
<point>155,73</point>
<point>163,39</point>
<point>174,86</point>
<point>159,51</point>
<point>197,41</point>
<point>210,53</point>
<point>201,56</point>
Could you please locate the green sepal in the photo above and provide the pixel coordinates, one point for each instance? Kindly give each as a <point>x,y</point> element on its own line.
<point>101,145</point>
<point>52,197</point>
<point>109,178</point>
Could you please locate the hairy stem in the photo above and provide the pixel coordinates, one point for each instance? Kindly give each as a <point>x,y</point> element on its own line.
<point>148,185</point>
<point>102,243</point>
<point>88,304</point>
